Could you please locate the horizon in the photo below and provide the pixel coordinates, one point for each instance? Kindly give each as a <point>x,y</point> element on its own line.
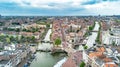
<point>59,15</point>
<point>59,7</point>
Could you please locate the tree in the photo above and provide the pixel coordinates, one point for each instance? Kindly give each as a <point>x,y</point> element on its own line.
<point>22,38</point>
<point>98,38</point>
<point>33,29</point>
<point>113,43</point>
<point>90,28</point>
<point>24,29</point>
<point>57,41</point>
<point>2,38</point>
<point>8,40</point>
<point>12,38</point>
<point>17,39</point>
<point>37,29</point>
<point>32,39</point>
<point>48,25</point>
<point>85,47</point>
<point>17,30</point>
<point>5,28</point>
<point>82,64</point>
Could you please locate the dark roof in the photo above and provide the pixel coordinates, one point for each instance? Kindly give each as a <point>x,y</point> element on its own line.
<point>117,48</point>
<point>4,61</point>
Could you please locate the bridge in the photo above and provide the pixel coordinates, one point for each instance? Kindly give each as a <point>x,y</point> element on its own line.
<point>94,31</point>
<point>77,44</point>
<point>44,41</point>
<point>69,50</point>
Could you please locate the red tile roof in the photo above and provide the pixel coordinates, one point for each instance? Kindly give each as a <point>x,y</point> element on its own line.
<point>110,65</point>
<point>73,60</point>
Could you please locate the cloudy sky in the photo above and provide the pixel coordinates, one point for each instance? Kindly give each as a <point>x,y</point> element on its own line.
<point>59,7</point>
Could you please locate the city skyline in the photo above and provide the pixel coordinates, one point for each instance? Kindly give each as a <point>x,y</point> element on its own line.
<point>59,7</point>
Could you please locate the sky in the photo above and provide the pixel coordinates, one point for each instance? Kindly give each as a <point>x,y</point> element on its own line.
<point>59,7</point>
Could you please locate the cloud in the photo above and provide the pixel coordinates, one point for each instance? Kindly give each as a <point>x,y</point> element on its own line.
<point>49,4</point>
<point>73,7</point>
<point>105,8</point>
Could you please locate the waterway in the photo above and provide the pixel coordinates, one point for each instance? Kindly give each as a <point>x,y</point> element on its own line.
<point>92,38</point>
<point>46,59</point>
<point>46,46</point>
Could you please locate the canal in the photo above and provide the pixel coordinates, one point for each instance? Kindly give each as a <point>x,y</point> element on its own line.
<point>92,38</point>
<point>46,59</point>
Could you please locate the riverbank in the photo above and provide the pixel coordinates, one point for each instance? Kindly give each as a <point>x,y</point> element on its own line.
<point>59,64</point>
<point>26,60</point>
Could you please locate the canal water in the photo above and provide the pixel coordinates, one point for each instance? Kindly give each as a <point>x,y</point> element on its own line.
<point>46,59</point>
<point>46,46</point>
<point>92,38</point>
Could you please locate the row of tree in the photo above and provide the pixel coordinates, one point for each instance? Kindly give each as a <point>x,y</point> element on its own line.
<point>17,39</point>
<point>92,27</point>
<point>12,29</point>
<point>98,36</point>
<point>32,29</point>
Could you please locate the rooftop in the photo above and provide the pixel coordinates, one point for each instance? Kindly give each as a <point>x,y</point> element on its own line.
<point>73,60</point>
<point>100,56</point>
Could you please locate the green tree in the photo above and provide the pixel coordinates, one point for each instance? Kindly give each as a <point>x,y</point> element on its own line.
<point>98,38</point>
<point>8,40</point>
<point>90,28</point>
<point>57,41</point>
<point>85,47</point>
<point>12,38</point>
<point>37,29</point>
<point>2,38</point>
<point>48,25</point>
<point>6,36</point>
<point>24,29</point>
<point>82,64</point>
<point>113,43</point>
<point>22,38</point>
<point>33,29</point>
<point>33,38</point>
<point>17,39</point>
<point>5,28</point>
<point>17,30</point>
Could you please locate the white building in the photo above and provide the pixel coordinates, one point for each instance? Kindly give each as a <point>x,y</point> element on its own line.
<point>110,36</point>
